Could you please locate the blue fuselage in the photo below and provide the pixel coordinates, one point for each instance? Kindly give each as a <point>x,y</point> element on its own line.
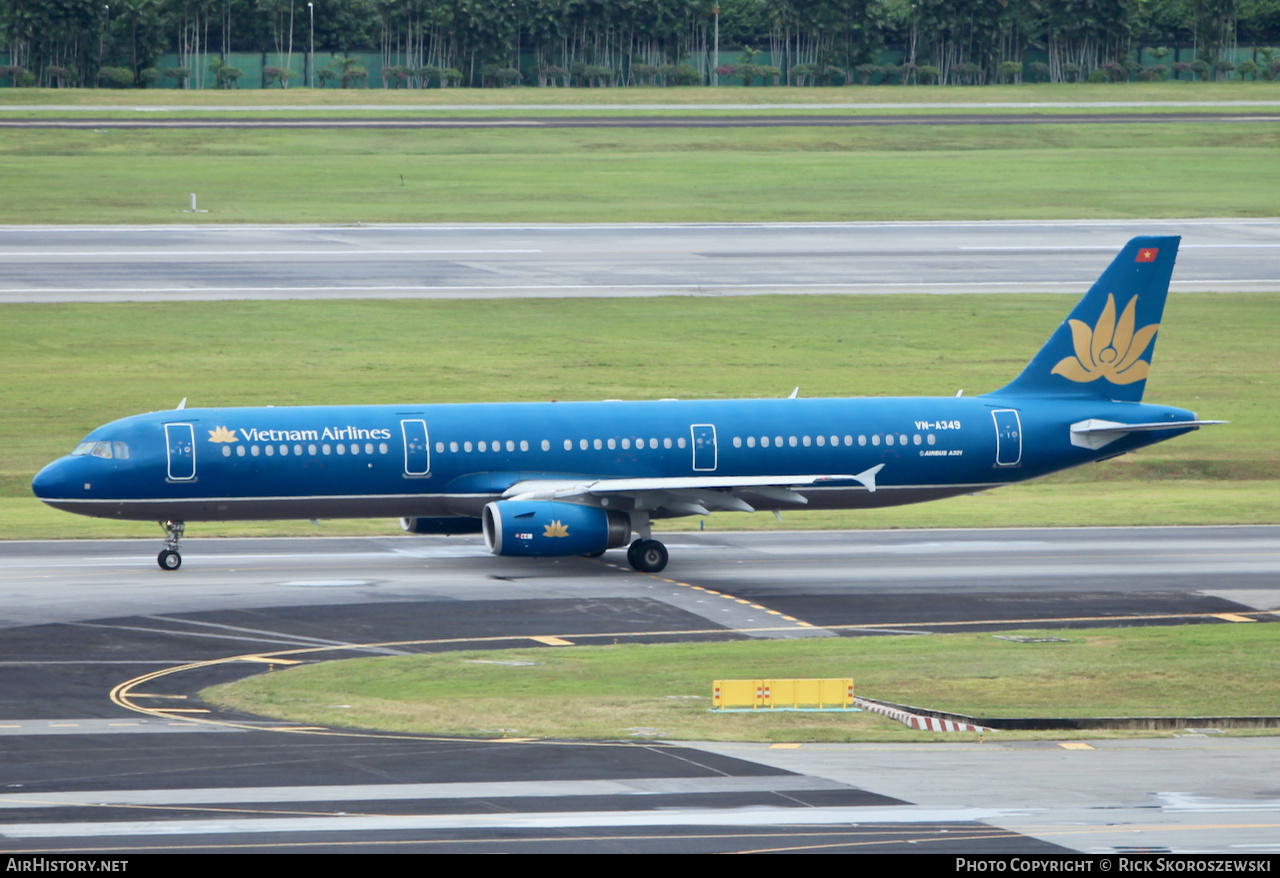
<point>451,460</point>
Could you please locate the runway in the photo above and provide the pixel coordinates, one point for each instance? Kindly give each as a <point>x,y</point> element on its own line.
<point>206,262</point>
<point>108,750</point>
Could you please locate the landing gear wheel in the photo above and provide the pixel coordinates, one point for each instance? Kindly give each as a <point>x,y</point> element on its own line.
<point>647,556</point>
<point>169,559</point>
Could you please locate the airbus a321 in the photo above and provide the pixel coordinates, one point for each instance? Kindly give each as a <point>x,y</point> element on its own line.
<point>579,478</point>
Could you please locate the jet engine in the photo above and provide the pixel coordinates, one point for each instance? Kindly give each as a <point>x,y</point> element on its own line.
<point>462,524</point>
<point>547,528</point>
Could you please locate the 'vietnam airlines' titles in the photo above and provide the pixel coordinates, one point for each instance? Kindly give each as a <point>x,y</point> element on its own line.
<point>336,434</point>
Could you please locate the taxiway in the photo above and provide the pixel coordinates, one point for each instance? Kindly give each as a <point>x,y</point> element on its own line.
<point>107,748</point>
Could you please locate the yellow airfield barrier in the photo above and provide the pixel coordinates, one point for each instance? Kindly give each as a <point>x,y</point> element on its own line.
<point>795,694</point>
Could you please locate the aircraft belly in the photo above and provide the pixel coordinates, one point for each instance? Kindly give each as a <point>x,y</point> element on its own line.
<point>230,509</point>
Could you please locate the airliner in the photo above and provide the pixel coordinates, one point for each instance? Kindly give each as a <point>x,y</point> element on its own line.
<point>580,478</point>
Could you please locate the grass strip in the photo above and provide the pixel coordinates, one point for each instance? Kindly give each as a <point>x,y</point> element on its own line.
<point>663,690</point>
<point>81,367</point>
<point>995,94</point>
<point>651,175</point>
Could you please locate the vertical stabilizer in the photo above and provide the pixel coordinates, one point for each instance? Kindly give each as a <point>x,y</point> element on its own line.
<point>1103,350</point>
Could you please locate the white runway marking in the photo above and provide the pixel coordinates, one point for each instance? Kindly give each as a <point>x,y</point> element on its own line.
<point>750,816</point>
<point>627,786</point>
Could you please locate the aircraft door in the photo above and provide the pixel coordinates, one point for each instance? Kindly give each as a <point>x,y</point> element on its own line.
<point>417,451</point>
<point>1008,437</point>
<point>704,447</point>
<point>181,441</point>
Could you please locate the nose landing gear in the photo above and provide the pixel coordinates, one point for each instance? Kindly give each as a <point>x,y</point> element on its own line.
<point>169,559</point>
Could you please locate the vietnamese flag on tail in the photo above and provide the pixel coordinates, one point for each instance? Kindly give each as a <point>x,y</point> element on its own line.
<point>1147,254</point>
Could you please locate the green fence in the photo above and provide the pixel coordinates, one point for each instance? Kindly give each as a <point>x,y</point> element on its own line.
<point>325,69</point>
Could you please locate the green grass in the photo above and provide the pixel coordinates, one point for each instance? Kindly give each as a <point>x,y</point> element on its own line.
<point>606,691</point>
<point>1074,93</point>
<point>76,367</point>
<point>581,175</point>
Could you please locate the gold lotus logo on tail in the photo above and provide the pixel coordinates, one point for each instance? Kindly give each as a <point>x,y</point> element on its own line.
<point>1110,349</point>
<point>555,529</point>
<point>222,434</point>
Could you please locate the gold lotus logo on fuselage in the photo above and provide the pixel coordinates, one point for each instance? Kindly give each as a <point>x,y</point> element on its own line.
<point>555,529</point>
<point>1110,349</point>
<point>222,434</point>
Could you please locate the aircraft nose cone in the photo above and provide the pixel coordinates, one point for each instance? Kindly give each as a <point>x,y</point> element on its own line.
<point>51,482</point>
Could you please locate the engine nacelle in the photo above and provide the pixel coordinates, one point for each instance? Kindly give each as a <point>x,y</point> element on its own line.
<point>546,528</point>
<point>462,524</point>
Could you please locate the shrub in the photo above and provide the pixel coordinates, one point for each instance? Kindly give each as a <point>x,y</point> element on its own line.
<point>641,72</point>
<point>1115,72</point>
<point>1099,75</point>
<point>804,72</point>
<point>280,75</point>
<point>178,74</point>
<point>420,77</point>
<point>229,77</point>
<point>891,72</point>
<point>1247,68</point>
<point>1201,69</point>
<point>866,72</point>
<point>559,76</point>
<point>969,73</point>
<point>116,77</point>
<point>1010,70</point>
<point>1154,73</point>
<point>396,77</point>
<point>929,74</point>
<point>61,76</point>
<point>687,74</point>
<point>1039,71</point>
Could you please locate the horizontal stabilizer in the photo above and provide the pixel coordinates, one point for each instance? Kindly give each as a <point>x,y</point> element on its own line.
<point>1095,432</point>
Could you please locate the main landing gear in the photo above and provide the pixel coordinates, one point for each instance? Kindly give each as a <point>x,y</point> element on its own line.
<point>169,559</point>
<point>647,556</point>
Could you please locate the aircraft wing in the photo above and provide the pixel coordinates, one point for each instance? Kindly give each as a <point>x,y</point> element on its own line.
<point>686,495</point>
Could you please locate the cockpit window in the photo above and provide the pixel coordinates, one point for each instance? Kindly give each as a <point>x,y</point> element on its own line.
<point>105,450</point>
